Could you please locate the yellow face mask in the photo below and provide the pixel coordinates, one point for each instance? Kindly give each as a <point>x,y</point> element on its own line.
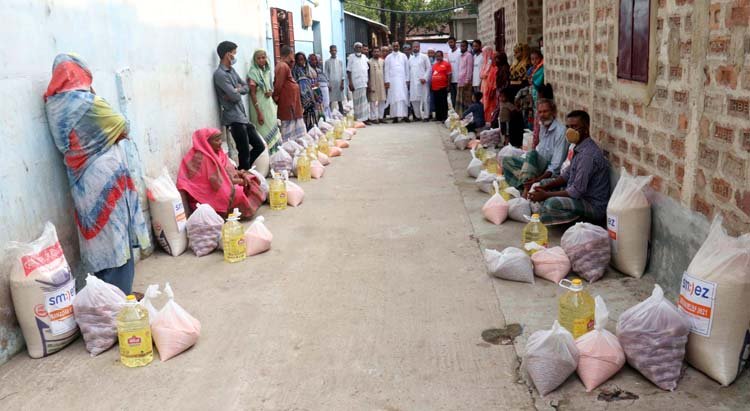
<point>573,136</point>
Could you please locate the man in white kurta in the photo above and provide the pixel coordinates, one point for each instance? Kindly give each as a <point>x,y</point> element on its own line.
<point>396,76</point>
<point>335,72</point>
<point>357,72</point>
<point>419,72</point>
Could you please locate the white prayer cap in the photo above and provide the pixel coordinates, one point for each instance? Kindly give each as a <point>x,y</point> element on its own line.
<point>357,44</point>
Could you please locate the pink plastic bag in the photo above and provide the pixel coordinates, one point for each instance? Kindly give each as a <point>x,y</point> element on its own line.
<point>342,144</point>
<point>294,194</point>
<point>551,264</point>
<point>324,159</point>
<point>601,355</point>
<point>317,169</point>
<point>359,124</point>
<point>257,237</point>
<point>334,152</point>
<point>174,329</point>
<point>496,208</point>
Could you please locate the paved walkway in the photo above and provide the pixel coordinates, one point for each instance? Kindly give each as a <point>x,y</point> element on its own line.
<point>373,297</point>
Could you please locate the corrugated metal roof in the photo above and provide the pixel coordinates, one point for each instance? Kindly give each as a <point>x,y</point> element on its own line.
<point>357,16</point>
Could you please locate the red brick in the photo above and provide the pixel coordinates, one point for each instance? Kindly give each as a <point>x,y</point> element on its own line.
<point>708,157</point>
<point>680,97</point>
<point>656,183</point>
<point>739,107</point>
<point>725,134</point>
<point>638,109</point>
<point>624,106</point>
<point>628,166</point>
<point>643,135</point>
<point>738,17</point>
<point>704,126</point>
<point>677,147</point>
<point>702,206</point>
<point>746,140</point>
<point>700,179</point>
<point>635,152</point>
<point>662,93</point>
<point>743,201</point>
<point>623,146</point>
<point>614,159</point>
<point>674,21</point>
<point>718,45</point>
<point>679,173</point>
<point>675,73</point>
<point>683,122</point>
<point>721,189</point>
<point>726,76</point>
<point>714,12</point>
<point>630,129</point>
<point>664,164</point>
<point>618,124</point>
<point>734,167</point>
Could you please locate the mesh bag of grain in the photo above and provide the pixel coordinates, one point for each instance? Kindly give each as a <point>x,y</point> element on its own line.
<point>511,264</point>
<point>96,307</point>
<point>42,288</point>
<point>653,335</point>
<point>587,246</point>
<point>551,357</point>
<point>601,354</point>
<point>629,224</point>
<point>204,230</point>
<point>714,294</point>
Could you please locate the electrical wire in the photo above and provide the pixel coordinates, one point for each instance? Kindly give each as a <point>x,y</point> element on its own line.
<point>416,12</point>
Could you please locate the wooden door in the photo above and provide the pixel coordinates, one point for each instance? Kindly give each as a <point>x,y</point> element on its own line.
<point>282,27</point>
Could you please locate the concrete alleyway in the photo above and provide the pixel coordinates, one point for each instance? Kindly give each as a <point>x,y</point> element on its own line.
<point>373,297</point>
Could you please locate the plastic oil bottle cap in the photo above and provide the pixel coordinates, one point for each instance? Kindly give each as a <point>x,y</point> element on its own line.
<point>537,217</point>
<point>577,282</point>
<point>131,298</point>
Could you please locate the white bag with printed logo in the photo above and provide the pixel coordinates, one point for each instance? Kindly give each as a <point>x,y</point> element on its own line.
<point>715,294</point>
<point>629,224</point>
<point>167,214</point>
<point>42,288</point>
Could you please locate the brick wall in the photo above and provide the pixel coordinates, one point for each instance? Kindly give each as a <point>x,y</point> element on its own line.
<point>534,15</point>
<point>692,131</point>
<point>486,22</point>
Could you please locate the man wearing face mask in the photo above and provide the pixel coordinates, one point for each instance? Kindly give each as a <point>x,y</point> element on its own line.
<point>547,157</point>
<point>583,189</point>
<point>230,88</point>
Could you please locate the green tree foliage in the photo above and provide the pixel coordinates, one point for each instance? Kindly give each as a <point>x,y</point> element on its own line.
<point>402,25</point>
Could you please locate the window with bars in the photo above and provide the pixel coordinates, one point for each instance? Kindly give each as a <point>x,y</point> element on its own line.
<point>282,27</point>
<point>633,42</point>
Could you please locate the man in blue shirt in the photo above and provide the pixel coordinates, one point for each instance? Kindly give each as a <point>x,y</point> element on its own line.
<point>476,109</point>
<point>546,159</point>
<point>583,189</point>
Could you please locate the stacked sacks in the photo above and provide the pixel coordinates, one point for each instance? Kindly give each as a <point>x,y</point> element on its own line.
<point>96,307</point>
<point>718,278</point>
<point>601,355</point>
<point>551,264</point>
<point>204,230</point>
<point>551,357</point>
<point>653,334</point>
<point>587,246</point>
<point>511,264</point>
<point>496,208</point>
<point>629,224</point>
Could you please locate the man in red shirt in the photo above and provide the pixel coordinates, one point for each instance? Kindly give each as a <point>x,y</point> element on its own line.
<point>441,81</point>
<point>287,97</point>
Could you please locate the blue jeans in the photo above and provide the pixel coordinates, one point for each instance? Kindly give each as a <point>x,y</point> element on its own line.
<point>121,277</point>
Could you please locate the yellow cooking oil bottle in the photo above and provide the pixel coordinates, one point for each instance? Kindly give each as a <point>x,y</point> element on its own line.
<point>338,130</point>
<point>491,164</point>
<point>323,143</point>
<point>481,153</point>
<point>233,238</point>
<point>534,235</point>
<point>134,334</point>
<point>278,192</point>
<point>303,167</point>
<point>350,119</point>
<point>576,308</point>
<point>503,185</point>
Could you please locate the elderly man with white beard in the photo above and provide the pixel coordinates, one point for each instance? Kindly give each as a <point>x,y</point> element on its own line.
<point>419,72</point>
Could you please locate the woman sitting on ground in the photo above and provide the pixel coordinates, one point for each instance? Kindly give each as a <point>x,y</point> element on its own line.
<point>208,177</point>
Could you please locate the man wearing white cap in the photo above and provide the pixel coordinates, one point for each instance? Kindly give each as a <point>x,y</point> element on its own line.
<point>419,70</point>
<point>357,71</point>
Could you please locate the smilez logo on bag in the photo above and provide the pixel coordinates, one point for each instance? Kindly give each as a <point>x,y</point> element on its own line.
<point>697,301</point>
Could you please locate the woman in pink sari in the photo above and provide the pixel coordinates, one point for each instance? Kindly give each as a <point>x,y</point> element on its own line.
<point>489,77</point>
<point>208,177</point>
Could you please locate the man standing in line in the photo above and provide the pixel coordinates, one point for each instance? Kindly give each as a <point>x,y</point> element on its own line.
<point>356,71</point>
<point>406,49</point>
<point>335,73</point>
<point>230,88</point>
<point>376,87</point>
<point>466,69</point>
<point>476,80</point>
<point>454,58</point>
<point>419,71</point>
<point>431,56</point>
<point>287,97</point>
<point>396,76</point>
